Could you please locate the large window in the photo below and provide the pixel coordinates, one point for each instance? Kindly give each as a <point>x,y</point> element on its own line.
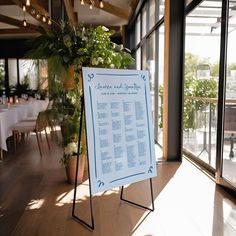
<point>144,21</point>
<point>159,85</point>
<point>12,72</point>
<point>149,54</point>
<point>28,72</point>
<point>137,30</point>
<point>229,153</point>
<point>20,76</point>
<point>2,74</point>
<point>152,13</point>
<point>202,53</point>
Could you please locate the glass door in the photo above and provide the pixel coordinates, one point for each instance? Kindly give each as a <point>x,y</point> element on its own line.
<point>229,135</point>
<point>202,53</point>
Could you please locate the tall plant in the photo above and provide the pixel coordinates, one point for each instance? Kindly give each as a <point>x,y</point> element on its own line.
<point>67,47</point>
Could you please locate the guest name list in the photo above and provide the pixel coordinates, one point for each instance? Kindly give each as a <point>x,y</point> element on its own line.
<point>119,127</point>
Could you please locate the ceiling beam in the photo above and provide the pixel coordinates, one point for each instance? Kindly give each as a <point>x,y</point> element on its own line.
<point>17,31</point>
<point>112,9</point>
<point>15,22</point>
<point>37,7</point>
<point>134,4</point>
<point>6,2</point>
<point>70,12</point>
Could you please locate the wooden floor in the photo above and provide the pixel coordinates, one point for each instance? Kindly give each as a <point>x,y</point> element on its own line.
<point>36,200</point>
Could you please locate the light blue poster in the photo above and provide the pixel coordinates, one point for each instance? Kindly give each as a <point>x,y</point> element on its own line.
<point>119,127</point>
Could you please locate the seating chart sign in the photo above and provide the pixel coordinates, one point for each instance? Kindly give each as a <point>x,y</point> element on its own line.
<point>119,127</point>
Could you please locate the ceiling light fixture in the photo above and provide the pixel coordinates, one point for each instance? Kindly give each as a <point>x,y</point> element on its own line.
<point>23,7</point>
<point>44,19</point>
<point>24,23</point>
<point>49,21</point>
<point>27,2</point>
<point>82,2</point>
<point>90,5</point>
<point>101,4</point>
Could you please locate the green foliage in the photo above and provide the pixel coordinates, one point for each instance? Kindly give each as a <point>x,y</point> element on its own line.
<point>23,87</point>
<point>231,67</point>
<point>189,106</point>
<point>193,87</point>
<point>68,46</point>
<point>2,76</point>
<point>80,46</point>
<point>191,62</point>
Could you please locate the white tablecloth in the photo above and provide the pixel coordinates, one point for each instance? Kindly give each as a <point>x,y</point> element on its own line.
<point>16,113</point>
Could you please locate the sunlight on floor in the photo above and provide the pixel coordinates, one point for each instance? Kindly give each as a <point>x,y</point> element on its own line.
<point>182,206</point>
<point>35,204</point>
<point>67,197</point>
<point>227,209</point>
<point>82,194</point>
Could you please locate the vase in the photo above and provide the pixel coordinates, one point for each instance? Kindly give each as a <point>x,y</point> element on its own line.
<point>71,169</point>
<point>69,79</point>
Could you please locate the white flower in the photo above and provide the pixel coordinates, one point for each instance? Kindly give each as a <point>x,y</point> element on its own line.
<point>108,60</point>
<point>100,60</point>
<point>94,62</point>
<point>112,66</point>
<point>105,28</point>
<point>71,148</point>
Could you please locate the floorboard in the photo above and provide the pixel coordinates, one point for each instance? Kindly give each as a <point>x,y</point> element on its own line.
<point>35,199</point>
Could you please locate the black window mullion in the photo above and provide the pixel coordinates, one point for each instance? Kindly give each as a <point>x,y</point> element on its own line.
<point>222,88</point>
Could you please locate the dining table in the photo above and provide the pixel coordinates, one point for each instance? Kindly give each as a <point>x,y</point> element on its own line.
<point>11,114</point>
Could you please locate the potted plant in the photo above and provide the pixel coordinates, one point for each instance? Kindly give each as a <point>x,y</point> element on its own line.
<point>67,49</point>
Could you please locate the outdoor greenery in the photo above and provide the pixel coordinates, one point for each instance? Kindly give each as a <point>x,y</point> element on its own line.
<point>193,87</point>
<point>197,87</point>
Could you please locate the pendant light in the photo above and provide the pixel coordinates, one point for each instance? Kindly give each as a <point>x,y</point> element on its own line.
<point>101,4</point>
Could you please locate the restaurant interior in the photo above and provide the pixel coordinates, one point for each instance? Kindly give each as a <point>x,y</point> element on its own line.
<point>187,48</point>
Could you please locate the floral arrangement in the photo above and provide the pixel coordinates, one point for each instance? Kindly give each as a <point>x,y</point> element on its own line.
<point>65,46</point>
<point>81,46</point>
<point>71,149</point>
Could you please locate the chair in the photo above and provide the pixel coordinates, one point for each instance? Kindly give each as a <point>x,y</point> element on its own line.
<point>25,127</point>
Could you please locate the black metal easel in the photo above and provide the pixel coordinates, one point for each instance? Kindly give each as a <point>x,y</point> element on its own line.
<point>136,204</point>
<point>77,218</point>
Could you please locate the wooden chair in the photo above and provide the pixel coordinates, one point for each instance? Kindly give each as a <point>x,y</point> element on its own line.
<point>25,127</point>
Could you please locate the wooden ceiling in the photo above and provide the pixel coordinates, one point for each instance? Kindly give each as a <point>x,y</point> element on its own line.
<point>114,13</point>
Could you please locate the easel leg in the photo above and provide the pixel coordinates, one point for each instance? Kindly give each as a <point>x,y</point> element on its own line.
<point>136,204</point>
<point>90,227</point>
